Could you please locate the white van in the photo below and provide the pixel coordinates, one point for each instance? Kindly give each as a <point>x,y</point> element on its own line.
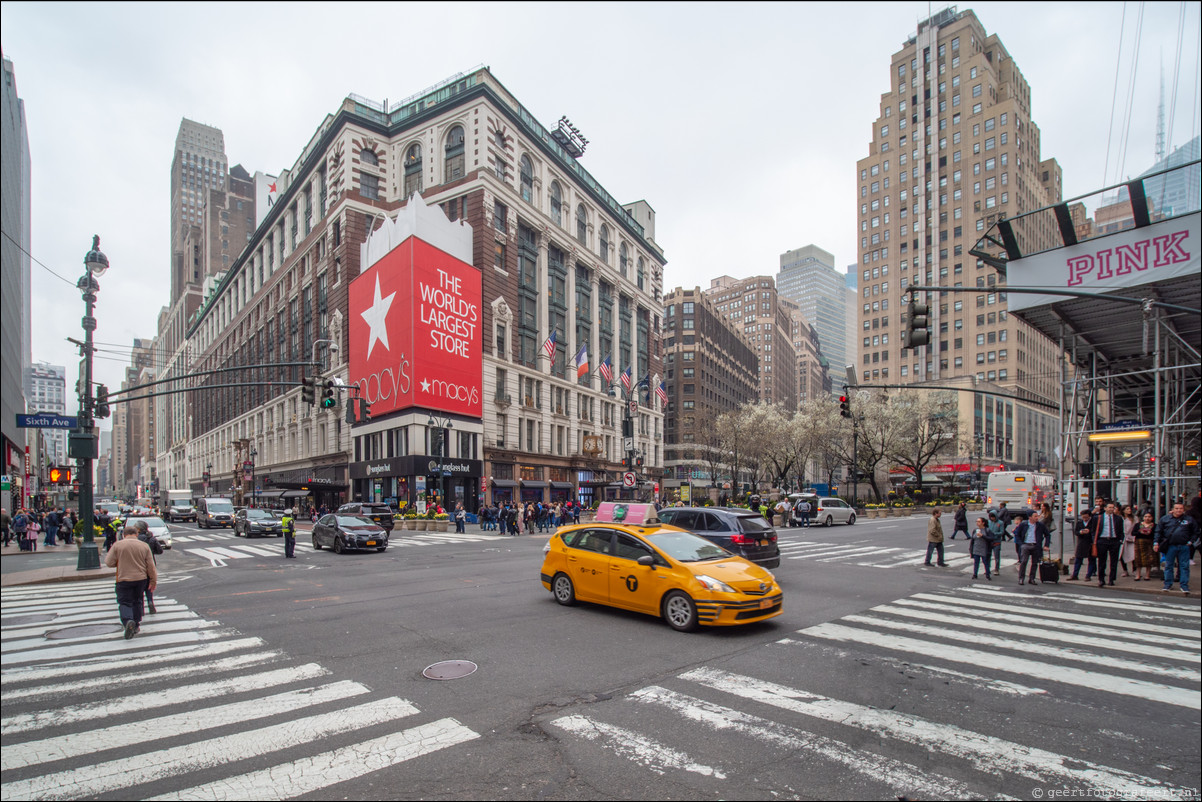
<point>212,512</point>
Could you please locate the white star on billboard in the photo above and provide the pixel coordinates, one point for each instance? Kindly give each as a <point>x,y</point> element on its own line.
<point>376,316</point>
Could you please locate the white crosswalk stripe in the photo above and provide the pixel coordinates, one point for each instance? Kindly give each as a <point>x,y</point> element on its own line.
<point>220,555</point>
<point>869,554</point>
<point>246,702</point>
<point>982,639</point>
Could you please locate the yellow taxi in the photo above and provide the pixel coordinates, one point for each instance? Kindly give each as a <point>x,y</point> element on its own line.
<point>626,558</point>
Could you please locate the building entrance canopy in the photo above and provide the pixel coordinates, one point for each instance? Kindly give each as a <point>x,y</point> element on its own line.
<point>1131,332</point>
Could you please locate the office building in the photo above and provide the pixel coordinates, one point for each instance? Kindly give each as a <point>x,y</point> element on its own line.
<point>809,278</point>
<point>16,341</point>
<point>709,369</point>
<point>753,304</point>
<point>953,150</point>
<point>46,391</point>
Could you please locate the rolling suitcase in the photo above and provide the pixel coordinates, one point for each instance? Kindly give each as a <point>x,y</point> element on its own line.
<point>1049,572</point>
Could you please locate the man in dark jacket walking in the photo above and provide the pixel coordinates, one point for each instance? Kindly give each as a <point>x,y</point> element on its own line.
<point>1107,531</point>
<point>1175,534</point>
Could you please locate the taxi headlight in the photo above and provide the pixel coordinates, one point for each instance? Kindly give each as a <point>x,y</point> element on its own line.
<point>714,584</point>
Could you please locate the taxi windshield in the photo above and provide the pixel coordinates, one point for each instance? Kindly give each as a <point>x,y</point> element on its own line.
<point>687,548</point>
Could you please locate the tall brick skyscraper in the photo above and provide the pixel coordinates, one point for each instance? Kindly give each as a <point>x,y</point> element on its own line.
<point>954,149</point>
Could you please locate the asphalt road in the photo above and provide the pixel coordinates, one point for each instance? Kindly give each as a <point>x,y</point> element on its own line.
<point>832,700</point>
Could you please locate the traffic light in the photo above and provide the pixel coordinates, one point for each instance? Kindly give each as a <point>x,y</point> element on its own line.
<point>364,411</point>
<point>917,334</point>
<point>60,476</point>
<point>638,462</point>
<point>329,398</point>
<point>352,406</point>
<point>845,406</point>
<point>101,409</point>
<point>309,389</point>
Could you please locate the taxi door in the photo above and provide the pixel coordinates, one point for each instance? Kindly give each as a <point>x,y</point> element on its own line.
<point>588,564</point>
<point>633,586</point>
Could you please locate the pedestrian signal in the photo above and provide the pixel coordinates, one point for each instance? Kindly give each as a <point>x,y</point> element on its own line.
<point>60,476</point>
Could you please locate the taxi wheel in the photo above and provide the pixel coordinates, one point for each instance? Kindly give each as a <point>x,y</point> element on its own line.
<point>680,612</point>
<point>561,587</point>
<point>316,545</point>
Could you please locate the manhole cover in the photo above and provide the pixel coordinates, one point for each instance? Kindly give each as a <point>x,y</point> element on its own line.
<point>89,631</point>
<point>26,620</point>
<point>449,669</point>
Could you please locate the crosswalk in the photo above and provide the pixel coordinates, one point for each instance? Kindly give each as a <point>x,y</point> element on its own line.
<point>872,554</point>
<point>223,546</point>
<point>238,719</point>
<point>970,693</point>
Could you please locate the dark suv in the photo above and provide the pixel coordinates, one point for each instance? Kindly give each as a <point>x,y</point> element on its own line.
<point>380,514</point>
<point>747,534</point>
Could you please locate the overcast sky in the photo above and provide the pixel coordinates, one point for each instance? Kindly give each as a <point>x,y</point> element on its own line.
<point>739,123</point>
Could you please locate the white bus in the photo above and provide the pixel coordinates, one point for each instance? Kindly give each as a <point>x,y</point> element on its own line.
<point>1019,489</point>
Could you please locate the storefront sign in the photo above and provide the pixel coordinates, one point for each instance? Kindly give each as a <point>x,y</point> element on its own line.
<point>415,465</point>
<point>1164,250</point>
<point>415,317</point>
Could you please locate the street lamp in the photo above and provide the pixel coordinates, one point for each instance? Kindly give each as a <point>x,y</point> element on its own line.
<point>208,474</point>
<point>254,491</point>
<point>442,424</point>
<point>96,264</point>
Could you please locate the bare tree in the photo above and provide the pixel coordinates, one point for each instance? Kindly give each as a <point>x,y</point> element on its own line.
<point>931,428</point>
<point>877,425</point>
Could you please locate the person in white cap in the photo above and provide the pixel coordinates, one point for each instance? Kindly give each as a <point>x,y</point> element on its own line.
<point>289,527</point>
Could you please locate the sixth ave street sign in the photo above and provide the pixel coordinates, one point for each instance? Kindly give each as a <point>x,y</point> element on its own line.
<point>45,420</point>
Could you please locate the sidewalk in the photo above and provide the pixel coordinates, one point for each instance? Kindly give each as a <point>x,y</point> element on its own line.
<point>38,569</point>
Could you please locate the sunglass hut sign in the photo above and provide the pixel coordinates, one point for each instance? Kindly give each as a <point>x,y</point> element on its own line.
<point>415,317</point>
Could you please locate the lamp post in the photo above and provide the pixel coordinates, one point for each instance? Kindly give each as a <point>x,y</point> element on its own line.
<point>254,491</point>
<point>208,474</point>
<point>980,438</point>
<point>96,264</point>
<point>630,404</point>
<point>442,424</point>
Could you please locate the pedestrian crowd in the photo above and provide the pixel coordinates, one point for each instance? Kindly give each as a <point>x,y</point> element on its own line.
<point>516,518</point>
<point>1109,538</point>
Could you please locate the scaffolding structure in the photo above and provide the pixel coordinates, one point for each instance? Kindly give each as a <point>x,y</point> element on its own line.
<point>1122,300</point>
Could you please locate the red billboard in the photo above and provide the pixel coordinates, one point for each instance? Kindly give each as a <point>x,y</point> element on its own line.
<point>415,336</point>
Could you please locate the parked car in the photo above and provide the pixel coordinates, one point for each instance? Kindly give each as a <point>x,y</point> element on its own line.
<point>157,526</point>
<point>833,511</point>
<point>745,533</point>
<point>212,512</point>
<point>344,532</point>
<point>379,513</point>
<point>253,523</point>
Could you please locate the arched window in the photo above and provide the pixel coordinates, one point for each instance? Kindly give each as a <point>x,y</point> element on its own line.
<point>581,225</point>
<point>454,154</point>
<point>413,169</point>
<point>527,179</point>
<point>642,274</point>
<point>605,243</point>
<point>623,259</point>
<point>556,204</point>
<point>369,157</point>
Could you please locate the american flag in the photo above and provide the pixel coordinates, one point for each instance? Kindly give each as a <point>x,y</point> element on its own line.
<point>662,392</point>
<point>626,378</point>
<point>549,347</point>
<point>582,361</point>
<point>606,370</point>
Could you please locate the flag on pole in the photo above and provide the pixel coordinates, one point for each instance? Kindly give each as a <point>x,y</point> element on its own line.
<point>582,361</point>
<point>662,392</point>
<point>607,370</point>
<point>549,347</point>
<point>626,378</point>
